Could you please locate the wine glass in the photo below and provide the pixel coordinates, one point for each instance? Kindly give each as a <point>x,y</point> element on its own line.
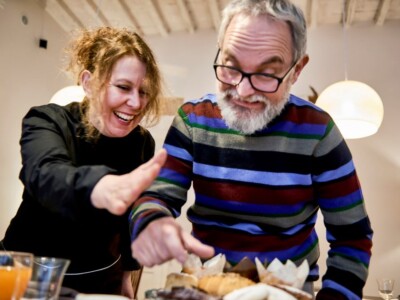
<point>385,287</point>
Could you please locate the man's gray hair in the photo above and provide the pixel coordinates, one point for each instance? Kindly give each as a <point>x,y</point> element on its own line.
<point>282,10</point>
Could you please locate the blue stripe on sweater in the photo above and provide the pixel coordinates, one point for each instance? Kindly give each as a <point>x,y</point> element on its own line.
<point>269,178</point>
<point>340,202</point>
<point>334,285</point>
<point>351,253</point>
<point>248,208</point>
<point>178,152</point>
<point>282,255</point>
<point>335,174</point>
<point>251,228</point>
<point>205,121</point>
<point>293,128</point>
<point>289,127</point>
<point>292,99</point>
<point>176,177</point>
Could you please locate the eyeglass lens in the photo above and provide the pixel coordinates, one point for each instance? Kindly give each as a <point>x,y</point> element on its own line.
<point>233,77</point>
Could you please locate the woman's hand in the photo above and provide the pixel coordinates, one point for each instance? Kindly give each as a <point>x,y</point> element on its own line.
<point>117,192</point>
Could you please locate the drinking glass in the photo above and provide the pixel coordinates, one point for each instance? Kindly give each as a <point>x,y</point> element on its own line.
<point>46,280</point>
<point>15,272</point>
<point>385,288</point>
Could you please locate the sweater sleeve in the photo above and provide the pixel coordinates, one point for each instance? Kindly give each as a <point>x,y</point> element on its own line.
<point>168,193</point>
<point>348,228</point>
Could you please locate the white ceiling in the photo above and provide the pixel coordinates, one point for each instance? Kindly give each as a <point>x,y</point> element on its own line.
<point>166,17</point>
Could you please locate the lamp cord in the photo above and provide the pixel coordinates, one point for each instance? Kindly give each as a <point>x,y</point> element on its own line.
<point>345,42</point>
<point>79,273</point>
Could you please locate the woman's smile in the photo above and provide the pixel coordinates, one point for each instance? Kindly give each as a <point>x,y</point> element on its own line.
<point>123,116</point>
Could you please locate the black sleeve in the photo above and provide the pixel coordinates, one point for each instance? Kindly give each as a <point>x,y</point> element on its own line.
<point>48,172</point>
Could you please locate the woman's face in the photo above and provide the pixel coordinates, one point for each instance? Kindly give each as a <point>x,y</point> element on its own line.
<point>124,98</point>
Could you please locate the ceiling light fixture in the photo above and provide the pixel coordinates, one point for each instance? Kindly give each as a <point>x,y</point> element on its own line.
<point>68,94</point>
<point>355,107</point>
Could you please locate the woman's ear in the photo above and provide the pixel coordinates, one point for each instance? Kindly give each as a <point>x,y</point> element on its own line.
<point>85,82</point>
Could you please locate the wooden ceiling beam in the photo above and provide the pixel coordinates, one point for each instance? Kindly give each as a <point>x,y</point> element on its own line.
<point>312,13</point>
<point>61,12</point>
<point>85,11</point>
<point>131,17</point>
<point>215,13</point>
<point>382,12</point>
<point>156,17</point>
<point>350,11</point>
<point>184,11</point>
<point>146,17</point>
<point>98,13</point>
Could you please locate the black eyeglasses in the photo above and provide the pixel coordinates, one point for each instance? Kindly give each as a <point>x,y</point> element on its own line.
<point>261,82</point>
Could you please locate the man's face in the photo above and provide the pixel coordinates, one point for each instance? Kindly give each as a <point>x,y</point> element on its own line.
<point>255,45</point>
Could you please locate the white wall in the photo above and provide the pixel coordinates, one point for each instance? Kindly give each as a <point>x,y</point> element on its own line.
<point>30,75</point>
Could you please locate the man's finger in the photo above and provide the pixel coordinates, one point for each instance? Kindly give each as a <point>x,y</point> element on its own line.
<point>194,246</point>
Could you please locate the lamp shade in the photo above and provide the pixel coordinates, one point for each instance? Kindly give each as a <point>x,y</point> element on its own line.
<point>355,107</point>
<point>72,93</point>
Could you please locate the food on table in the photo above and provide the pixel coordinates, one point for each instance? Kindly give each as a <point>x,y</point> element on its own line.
<point>215,279</point>
<point>181,280</point>
<point>259,291</point>
<point>297,293</point>
<point>286,274</point>
<point>223,283</point>
<point>182,293</point>
<point>194,266</point>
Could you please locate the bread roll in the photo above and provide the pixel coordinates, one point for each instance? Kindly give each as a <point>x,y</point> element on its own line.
<point>224,283</point>
<point>181,280</point>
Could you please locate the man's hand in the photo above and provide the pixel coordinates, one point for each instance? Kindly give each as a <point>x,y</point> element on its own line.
<point>163,240</point>
<point>116,193</point>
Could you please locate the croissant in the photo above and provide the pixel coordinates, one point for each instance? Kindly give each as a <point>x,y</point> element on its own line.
<point>224,283</point>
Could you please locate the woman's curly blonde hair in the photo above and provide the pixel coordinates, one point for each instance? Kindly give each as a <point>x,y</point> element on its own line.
<point>97,50</point>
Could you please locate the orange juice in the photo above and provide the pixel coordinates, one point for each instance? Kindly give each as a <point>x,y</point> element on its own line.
<point>8,281</point>
<point>13,281</point>
<point>24,277</point>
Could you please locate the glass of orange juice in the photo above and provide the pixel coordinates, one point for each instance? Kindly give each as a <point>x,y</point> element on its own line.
<point>15,273</point>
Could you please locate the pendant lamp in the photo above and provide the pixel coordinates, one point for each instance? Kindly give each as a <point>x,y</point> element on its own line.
<point>355,107</point>
<point>68,94</point>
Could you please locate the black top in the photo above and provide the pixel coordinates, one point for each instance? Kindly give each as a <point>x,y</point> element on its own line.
<point>56,218</point>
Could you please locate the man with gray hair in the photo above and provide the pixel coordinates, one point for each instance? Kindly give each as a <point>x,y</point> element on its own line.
<point>262,162</point>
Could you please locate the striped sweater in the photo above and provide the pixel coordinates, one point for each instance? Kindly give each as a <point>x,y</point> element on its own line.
<point>258,195</point>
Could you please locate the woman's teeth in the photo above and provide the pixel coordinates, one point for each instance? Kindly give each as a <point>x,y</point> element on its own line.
<point>124,117</point>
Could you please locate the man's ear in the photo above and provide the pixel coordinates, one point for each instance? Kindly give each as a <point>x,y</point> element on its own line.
<point>299,67</point>
<point>85,82</point>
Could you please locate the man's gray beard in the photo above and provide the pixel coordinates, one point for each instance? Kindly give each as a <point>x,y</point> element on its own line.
<point>244,119</point>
